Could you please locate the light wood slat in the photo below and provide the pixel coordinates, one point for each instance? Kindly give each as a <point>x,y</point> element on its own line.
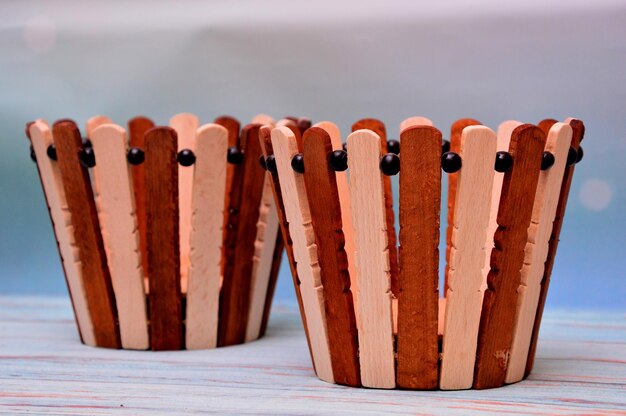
<point>262,119</point>
<point>95,122</point>
<point>367,195</point>
<point>52,184</point>
<point>477,148</point>
<point>536,251</point>
<point>116,212</point>
<point>414,121</point>
<point>186,126</point>
<point>205,257</point>
<point>304,250</point>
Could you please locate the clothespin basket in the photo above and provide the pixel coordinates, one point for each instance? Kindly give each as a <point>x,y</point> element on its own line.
<point>168,235</point>
<point>369,299</point>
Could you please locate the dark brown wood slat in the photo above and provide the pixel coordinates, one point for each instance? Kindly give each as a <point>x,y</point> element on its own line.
<point>245,199</point>
<point>166,314</point>
<point>323,198</point>
<point>418,284</point>
<point>578,134</point>
<point>507,257</point>
<point>88,239</point>
<point>378,127</point>
<point>546,124</point>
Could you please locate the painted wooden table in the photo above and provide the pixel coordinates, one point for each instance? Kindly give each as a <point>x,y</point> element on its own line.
<point>580,369</point>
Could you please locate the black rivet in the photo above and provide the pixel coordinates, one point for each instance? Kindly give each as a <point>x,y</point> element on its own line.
<point>234,155</point>
<point>547,160</point>
<point>186,157</point>
<point>33,156</point>
<point>580,154</point>
<point>297,163</point>
<point>87,142</point>
<point>51,151</point>
<point>262,162</point>
<point>504,161</point>
<point>393,146</point>
<point>338,160</point>
<point>451,162</point>
<point>135,156</point>
<point>344,146</point>
<point>87,157</point>
<point>445,146</point>
<point>271,164</point>
<point>390,164</point>
<point>572,155</point>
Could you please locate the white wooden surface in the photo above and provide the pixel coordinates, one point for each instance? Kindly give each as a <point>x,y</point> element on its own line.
<point>580,369</point>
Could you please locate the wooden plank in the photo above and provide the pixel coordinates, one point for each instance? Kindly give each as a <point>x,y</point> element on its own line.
<point>232,126</point>
<point>577,135</point>
<point>87,237</point>
<point>262,119</point>
<point>463,295</point>
<point>305,254</point>
<point>536,251</point>
<point>112,179</point>
<point>418,291</point>
<point>205,259</point>
<point>245,199</point>
<point>507,257</point>
<point>95,122</point>
<point>546,124</point>
<point>186,126</point>
<point>367,195</point>
<point>40,137</point>
<point>323,197</point>
<point>414,121</point>
<point>166,327</point>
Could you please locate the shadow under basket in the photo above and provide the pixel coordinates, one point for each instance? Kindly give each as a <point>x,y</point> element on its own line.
<point>168,235</point>
<point>371,308</point>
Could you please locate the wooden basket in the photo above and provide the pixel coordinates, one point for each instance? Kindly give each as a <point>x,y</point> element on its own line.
<point>371,308</point>
<point>179,251</point>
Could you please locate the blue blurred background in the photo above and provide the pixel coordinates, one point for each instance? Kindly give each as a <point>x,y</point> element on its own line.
<point>332,60</point>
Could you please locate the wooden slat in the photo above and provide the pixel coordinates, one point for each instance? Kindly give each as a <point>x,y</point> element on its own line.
<point>507,257</point>
<point>414,121</point>
<point>166,329</point>
<point>273,279</point>
<point>323,198</point>
<point>536,251</point>
<point>41,137</point>
<point>95,122</point>
<point>418,291</point>
<point>547,124</point>
<point>112,180</point>
<point>232,126</point>
<point>262,119</point>
<point>477,148</point>
<point>245,199</point>
<point>578,133</point>
<point>367,195</point>
<point>186,126</point>
<point>206,243</point>
<point>87,237</point>
<point>305,254</point>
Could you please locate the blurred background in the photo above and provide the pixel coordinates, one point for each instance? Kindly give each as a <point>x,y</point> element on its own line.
<point>333,60</point>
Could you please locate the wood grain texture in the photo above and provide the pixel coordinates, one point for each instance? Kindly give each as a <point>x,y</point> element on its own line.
<point>137,128</point>
<point>418,291</point>
<point>507,257</point>
<point>116,212</point>
<point>186,126</point>
<point>205,257</point>
<point>323,198</point>
<point>232,126</point>
<point>367,195</point>
<point>305,254</point>
<point>88,240</point>
<point>477,148</point>
<point>40,137</point>
<point>536,251</point>
<point>578,132</point>
<point>166,326</point>
<point>95,122</point>
<point>245,199</point>
<point>378,127</point>
<point>414,121</point>
<point>546,124</point>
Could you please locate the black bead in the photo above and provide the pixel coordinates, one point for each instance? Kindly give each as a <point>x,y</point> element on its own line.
<point>344,146</point>
<point>234,155</point>
<point>87,142</point>
<point>547,161</point>
<point>87,157</point>
<point>135,156</point>
<point>390,164</point>
<point>450,162</point>
<point>186,157</point>
<point>580,154</point>
<point>262,162</point>
<point>297,163</point>
<point>504,161</point>
<point>271,164</point>
<point>338,160</point>
<point>393,146</point>
<point>445,146</point>
<point>33,156</point>
<point>52,152</point>
<point>572,155</point>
